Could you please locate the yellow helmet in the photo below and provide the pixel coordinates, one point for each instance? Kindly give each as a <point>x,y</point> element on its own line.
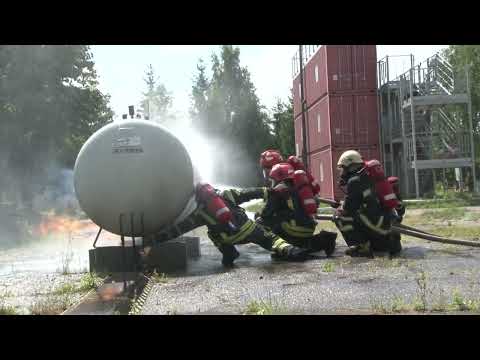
<point>348,158</point>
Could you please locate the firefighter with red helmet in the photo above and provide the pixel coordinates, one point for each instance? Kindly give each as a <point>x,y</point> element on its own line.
<point>364,218</point>
<point>228,225</point>
<point>290,207</point>
<point>268,159</point>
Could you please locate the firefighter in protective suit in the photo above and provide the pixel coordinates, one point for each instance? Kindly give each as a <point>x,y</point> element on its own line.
<point>285,211</point>
<point>289,209</point>
<point>228,225</point>
<point>362,220</point>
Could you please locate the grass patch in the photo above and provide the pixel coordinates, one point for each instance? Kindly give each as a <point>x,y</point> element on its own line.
<point>159,278</point>
<point>263,308</point>
<point>453,213</point>
<point>459,303</point>
<point>387,262</point>
<point>65,289</point>
<point>6,309</point>
<point>328,267</point>
<point>458,231</point>
<point>51,305</point>
<point>445,200</point>
<point>397,305</point>
<point>88,282</point>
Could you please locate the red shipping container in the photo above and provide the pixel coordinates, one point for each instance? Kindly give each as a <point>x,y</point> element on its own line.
<point>297,105</point>
<point>323,165</point>
<point>364,59</point>
<point>319,125</point>
<point>367,129</point>
<point>298,136</point>
<point>336,69</point>
<point>343,120</point>
<point>320,165</point>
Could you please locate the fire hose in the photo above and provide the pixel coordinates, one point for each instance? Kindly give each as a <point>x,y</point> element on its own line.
<point>406,230</point>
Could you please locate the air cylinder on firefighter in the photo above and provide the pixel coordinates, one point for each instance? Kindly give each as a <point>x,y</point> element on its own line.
<point>134,170</point>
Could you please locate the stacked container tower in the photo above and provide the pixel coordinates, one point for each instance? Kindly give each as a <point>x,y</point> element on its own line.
<point>341,110</point>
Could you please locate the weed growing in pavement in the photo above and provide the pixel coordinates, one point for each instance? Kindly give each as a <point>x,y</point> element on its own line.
<point>262,307</point>
<point>51,304</point>
<point>329,267</point>
<point>380,308</point>
<point>441,305</point>
<point>159,278</point>
<point>461,304</point>
<point>4,308</point>
<point>422,283</point>
<point>87,282</point>
<point>399,305</point>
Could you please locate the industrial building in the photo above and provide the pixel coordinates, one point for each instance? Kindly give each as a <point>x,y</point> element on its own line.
<point>349,100</point>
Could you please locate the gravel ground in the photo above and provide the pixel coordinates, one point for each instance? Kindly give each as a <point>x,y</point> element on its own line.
<point>430,274</point>
<point>33,292</point>
<point>31,273</point>
<point>426,274</point>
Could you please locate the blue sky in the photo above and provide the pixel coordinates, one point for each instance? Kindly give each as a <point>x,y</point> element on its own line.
<point>121,69</point>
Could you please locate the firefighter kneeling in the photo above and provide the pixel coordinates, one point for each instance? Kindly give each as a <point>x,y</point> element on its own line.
<point>290,206</point>
<point>228,225</point>
<point>365,216</point>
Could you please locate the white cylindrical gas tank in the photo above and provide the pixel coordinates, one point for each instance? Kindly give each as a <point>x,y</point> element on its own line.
<point>132,168</point>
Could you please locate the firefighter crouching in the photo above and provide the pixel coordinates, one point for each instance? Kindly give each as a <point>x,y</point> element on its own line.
<point>228,225</point>
<point>362,219</point>
<point>290,206</point>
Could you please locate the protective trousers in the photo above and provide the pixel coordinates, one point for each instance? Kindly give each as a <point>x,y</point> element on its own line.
<point>251,233</point>
<point>361,230</point>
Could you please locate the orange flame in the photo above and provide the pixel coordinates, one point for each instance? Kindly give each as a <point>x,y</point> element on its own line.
<point>52,224</point>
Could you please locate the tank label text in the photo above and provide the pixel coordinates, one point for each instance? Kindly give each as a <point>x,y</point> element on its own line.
<point>130,144</point>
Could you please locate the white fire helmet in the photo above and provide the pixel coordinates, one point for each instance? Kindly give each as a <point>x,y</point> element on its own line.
<point>348,158</point>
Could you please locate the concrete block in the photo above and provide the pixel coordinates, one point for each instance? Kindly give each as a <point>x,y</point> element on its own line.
<point>193,246</point>
<point>168,256</point>
<point>110,259</point>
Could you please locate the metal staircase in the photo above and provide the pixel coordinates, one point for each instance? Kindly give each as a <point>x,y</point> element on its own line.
<point>434,131</point>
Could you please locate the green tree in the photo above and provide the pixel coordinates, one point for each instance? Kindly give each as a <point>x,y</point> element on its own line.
<point>284,127</point>
<point>199,96</point>
<point>226,107</point>
<point>49,106</point>
<point>157,101</point>
<point>459,56</point>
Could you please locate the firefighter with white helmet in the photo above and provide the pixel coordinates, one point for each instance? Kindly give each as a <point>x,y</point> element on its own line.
<point>362,219</point>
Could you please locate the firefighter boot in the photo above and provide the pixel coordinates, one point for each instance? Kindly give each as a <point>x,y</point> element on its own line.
<point>395,244</point>
<point>325,241</point>
<point>295,254</point>
<point>361,250</point>
<point>230,254</point>
<point>292,253</point>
